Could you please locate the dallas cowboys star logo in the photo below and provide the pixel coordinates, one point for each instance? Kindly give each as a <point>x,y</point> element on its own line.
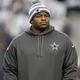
<point>54,46</point>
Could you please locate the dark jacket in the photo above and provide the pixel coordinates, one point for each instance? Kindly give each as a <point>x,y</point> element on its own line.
<point>50,56</point>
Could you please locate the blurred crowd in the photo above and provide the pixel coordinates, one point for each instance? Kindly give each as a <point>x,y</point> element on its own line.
<point>14,20</point>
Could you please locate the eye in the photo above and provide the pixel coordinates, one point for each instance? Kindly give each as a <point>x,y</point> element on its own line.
<point>46,15</point>
<point>38,16</point>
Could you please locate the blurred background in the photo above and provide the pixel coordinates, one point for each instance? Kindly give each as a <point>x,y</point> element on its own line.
<point>65,17</point>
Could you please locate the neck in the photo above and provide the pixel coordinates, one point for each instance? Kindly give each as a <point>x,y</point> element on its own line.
<point>39,31</point>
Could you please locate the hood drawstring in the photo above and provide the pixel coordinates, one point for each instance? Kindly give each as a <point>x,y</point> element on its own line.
<point>42,39</point>
<point>40,46</point>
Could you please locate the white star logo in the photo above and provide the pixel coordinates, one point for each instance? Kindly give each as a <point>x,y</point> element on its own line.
<point>54,46</point>
<point>73,46</point>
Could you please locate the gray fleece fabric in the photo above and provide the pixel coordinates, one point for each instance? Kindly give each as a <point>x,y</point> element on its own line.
<point>50,56</point>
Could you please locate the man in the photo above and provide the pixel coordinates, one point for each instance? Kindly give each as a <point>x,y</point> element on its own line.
<point>40,53</point>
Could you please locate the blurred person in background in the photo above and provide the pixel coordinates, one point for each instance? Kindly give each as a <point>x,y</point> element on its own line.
<point>41,52</point>
<point>73,3</point>
<point>14,16</point>
<point>74,16</point>
<point>5,39</point>
<point>2,50</point>
<point>18,21</point>
<point>67,28</point>
<point>78,74</point>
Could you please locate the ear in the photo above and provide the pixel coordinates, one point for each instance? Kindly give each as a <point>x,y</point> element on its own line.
<point>31,22</point>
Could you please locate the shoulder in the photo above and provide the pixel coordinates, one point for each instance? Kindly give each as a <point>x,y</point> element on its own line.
<point>61,34</point>
<point>16,40</point>
<point>20,36</point>
<point>64,37</point>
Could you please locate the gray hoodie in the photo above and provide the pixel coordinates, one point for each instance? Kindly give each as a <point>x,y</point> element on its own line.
<point>50,56</point>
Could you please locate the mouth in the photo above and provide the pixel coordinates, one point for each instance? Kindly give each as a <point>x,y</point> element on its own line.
<point>43,23</point>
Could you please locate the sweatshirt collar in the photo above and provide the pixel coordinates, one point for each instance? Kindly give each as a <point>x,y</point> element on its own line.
<point>30,32</point>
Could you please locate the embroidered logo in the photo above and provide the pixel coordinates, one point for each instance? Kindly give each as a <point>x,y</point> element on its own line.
<point>73,46</point>
<point>54,46</point>
<point>37,10</point>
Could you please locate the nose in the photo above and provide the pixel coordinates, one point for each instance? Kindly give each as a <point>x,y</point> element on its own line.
<point>43,18</point>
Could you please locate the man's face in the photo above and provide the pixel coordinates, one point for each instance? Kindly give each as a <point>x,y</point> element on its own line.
<point>40,20</point>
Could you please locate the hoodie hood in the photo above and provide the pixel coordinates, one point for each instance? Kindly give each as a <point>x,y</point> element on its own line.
<point>30,32</point>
